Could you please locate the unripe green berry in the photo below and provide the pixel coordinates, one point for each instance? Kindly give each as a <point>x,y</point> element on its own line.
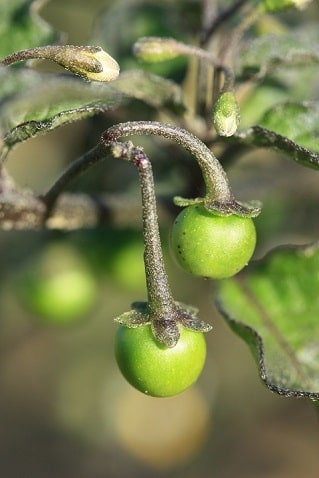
<point>154,369</point>
<point>212,246</point>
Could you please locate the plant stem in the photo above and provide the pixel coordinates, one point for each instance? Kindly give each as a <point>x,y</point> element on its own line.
<point>159,295</point>
<point>79,166</point>
<point>249,18</point>
<point>222,18</point>
<point>30,54</point>
<point>229,79</point>
<point>160,299</point>
<point>217,186</point>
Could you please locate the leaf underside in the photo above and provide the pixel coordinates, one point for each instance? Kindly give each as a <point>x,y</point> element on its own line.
<point>152,89</point>
<point>274,307</point>
<point>33,104</point>
<point>265,138</point>
<point>290,128</point>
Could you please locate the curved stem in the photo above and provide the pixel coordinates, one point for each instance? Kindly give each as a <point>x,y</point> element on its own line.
<point>219,66</point>
<point>218,197</point>
<point>217,186</point>
<point>229,79</point>
<point>249,18</point>
<point>158,49</point>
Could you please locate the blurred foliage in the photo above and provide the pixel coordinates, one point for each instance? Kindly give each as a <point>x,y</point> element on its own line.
<point>21,26</point>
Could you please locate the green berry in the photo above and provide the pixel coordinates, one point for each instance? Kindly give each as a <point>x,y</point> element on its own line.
<point>212,246</point>
<point>157,370</point>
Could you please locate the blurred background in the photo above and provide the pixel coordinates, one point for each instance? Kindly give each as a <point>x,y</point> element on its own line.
<point>65,410</point>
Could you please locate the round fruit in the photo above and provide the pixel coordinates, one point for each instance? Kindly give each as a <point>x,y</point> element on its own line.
<point>57,285</point>
<point>212,246</point>
<point>157,370</point>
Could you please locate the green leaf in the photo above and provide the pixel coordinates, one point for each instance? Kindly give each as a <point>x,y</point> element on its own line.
<point>298,121</point>
<point>21,26</point>
<point>265,54</point>
<point>274,307</point>
<point>152,89</point>
<point>290,128</point>
<point>262,137</point>
<point>266,95</point>
<point>43,102</point>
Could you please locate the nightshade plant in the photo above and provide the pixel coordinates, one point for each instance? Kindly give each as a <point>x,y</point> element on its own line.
<point>273,303</point>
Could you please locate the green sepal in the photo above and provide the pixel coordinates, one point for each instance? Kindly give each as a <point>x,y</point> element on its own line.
<point>136,317</point>
<point>184,202</point>
<point>165,329</point>
<point>227,208</point>
<point>188,318</point>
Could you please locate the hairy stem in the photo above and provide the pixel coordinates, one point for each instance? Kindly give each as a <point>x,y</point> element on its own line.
<point>217,186</point>
<point>159,294</point>
<point>79,166</point>
<point>30,54</point>
<point>229,78</point>
<point>160,299</point>
<point>225,15</point>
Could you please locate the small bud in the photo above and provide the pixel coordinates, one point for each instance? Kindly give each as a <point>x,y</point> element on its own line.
<point>226,114</point>
<point>154,49</point>
<point>91,63</point>
<point>272,6</point>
